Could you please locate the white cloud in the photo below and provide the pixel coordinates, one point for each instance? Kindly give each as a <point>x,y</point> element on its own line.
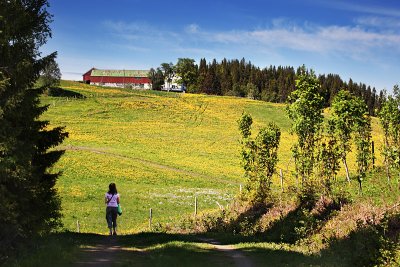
<point>192,28</point>
<point>384,23</point>
<point>324,40</point>
<point>358,42</point>
<point>361,8</point>
<point>139,31</point>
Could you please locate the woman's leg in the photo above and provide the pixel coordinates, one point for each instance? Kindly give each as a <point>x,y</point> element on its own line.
<point>114,221</point>
<point>109,219</point>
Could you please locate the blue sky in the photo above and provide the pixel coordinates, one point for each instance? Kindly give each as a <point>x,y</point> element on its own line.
<point>355,39</point>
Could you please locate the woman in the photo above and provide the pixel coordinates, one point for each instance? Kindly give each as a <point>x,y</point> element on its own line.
<point>112,201</point>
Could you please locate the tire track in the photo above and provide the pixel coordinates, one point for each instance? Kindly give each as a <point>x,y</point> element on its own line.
<point>146,162</point>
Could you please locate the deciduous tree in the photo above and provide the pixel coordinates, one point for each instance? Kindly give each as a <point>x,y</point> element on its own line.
<point>259,157</point>
<point>344,112</point>
<point>390,121</point>
<point>186,70</point>
<point>328,157</point>
<point>305,110</point>
<point>157,78</point>
<point>50,76</point>
<point>168,72</point>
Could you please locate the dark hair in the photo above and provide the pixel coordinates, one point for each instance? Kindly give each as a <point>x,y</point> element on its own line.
<point>112,189</point>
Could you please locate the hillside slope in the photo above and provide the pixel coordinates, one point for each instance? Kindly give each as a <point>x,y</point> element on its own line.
<point>162,150</point>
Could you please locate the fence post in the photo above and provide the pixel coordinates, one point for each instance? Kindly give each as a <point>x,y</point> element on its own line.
<point>281,175</point>
<point>150,217</point>
<point>195,206</point>
<point>373,154</point>
<point>78,228</point>
<point>240,188</point>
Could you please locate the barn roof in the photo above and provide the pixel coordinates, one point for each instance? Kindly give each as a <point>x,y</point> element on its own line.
<point>120,73</point>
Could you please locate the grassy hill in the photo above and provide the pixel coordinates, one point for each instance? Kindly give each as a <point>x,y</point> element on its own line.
<point>165,149</point>
<point>161,149</point>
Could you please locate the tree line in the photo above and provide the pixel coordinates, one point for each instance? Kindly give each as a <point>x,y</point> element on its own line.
<point>322,145</point>
<point>243,79</point>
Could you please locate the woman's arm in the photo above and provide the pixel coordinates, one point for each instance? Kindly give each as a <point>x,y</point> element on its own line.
<point>118,199</point>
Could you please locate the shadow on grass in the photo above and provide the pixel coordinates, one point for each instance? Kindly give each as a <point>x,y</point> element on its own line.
<point>305,220</point>
<point>248,218</point>
<point>369,245</point>
<point>60,92</point>
<point>364,247</point>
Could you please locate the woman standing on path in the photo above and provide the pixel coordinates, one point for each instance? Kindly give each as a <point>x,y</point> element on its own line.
<point>112,201</point>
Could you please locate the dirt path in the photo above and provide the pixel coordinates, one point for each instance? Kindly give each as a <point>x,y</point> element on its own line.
<point>145,162</point>
<point>239,258</point>
<point>102,255</point>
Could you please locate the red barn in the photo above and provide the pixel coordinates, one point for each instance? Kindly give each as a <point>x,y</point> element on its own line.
<point>137,79</point>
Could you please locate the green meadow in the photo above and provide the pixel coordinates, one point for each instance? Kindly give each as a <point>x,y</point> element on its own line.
<point>162,150</point>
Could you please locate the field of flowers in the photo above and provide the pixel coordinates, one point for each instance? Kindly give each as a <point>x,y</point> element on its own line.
<point>161,149</point>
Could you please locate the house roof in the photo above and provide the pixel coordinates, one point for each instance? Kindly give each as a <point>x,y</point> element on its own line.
<point>120,73</point>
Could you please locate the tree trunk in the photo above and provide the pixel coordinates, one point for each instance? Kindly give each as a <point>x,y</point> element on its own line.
<point>347,170</point>
<point>387,170</point>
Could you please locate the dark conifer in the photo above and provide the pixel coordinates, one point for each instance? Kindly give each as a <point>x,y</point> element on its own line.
<point>29,203</point>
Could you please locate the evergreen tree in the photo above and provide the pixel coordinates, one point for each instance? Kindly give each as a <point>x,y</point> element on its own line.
<point>203,69</point>
<point>211,82</point>
<point>274,84</point>
<point>29,204</point>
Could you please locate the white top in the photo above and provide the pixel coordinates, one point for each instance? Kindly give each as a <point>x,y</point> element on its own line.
<point>113,202</point>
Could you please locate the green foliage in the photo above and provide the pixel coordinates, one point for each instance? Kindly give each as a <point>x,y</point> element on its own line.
<point>349,117</point>
<point>390,117</point>
<point>305,110</point>
<point>259,157</point>
<point>252,91</point>
<point>245,123</point>
<point>168,70</point>
<point>186,70</point>
<point>50,76</point>
<point>272,84</point>
<point>31,204</point>
<point>370,244</point>
<point>328,158</point>
<point>157,78</point>
<point>362,138</point>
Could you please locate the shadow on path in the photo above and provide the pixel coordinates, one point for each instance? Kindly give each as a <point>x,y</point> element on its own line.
<point>155,249</point>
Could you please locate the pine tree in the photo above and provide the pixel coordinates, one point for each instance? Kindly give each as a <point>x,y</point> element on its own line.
<point>30,204</point>
<point>203,69</point>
